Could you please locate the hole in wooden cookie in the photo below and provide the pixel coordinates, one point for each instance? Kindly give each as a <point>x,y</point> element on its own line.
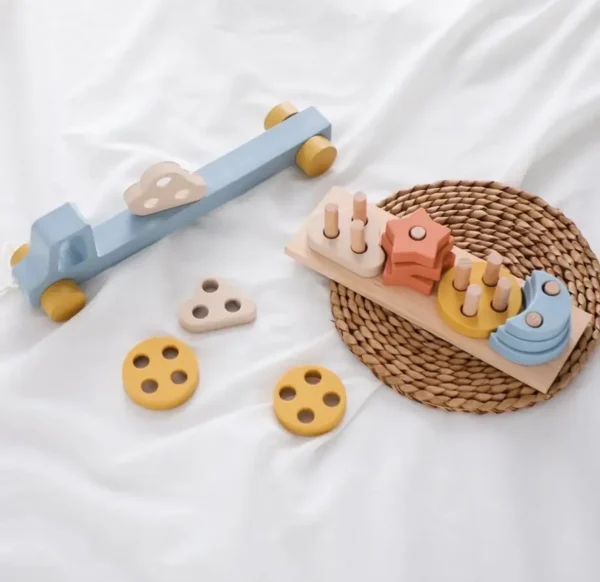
<point>306,415</point>
<point>141,361</point>
<point>200,312</point>
<point>233,305</point>
<point>210,286</point>
<point>331,399</point>
<point>182,194</point>
<point>287,393</point>
<point>150,203</point>
<point>163,182</point>
<point>312,377</point>
<point>179,377</point>
<point>170,352</point>
<point>149,386</point>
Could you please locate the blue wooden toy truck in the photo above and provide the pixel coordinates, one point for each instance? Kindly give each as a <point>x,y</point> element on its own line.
<point>65,250</point>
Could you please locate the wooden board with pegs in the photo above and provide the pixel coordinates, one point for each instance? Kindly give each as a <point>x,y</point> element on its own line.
<point>421,308</point>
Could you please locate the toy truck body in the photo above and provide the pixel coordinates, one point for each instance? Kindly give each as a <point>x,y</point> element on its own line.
<point>65,246</point>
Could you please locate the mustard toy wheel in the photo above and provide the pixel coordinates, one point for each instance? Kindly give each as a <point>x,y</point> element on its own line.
<point>316,155</point>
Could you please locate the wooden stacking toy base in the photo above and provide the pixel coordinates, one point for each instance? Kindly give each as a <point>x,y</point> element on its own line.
<point>420,309</point>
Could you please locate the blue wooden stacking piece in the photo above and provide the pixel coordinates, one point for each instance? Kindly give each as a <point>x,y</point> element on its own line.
<point>542,330</point>
<point>64,247</point>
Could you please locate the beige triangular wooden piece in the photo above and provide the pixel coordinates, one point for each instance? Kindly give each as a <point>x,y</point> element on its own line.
<point>215,306</point>
<point>162,186</point>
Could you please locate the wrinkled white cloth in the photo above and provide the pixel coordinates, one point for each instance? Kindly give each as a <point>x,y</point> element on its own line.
<point>93,487</point>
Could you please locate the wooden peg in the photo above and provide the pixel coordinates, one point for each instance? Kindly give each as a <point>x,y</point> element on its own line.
<point>417,233</point>
<point>357,236</point>
<point>359,207</point>
<point>551,288</point>
<point>332,229</point>
<point>502,294</point>
<point>472,297</point>
<point>492,269</point>
<point>462,274</point>
<point>534,319</point>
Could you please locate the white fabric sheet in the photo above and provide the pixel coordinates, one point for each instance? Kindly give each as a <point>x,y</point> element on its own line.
<point>96,489</point>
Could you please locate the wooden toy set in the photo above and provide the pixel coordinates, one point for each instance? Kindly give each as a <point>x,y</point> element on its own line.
<point>411,267</point>
<point>161,373</point>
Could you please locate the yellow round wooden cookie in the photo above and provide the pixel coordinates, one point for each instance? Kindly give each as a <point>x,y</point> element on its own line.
<point>487,320</point>
<point>309,400</point>
<point>160,373</point>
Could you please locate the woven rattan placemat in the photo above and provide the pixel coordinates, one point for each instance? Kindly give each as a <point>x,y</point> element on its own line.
<point>483,216</point>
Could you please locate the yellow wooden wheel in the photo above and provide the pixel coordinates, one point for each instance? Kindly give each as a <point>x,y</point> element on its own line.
<point>61,300</point>
<point>316,155</point>
<point>19,255</point>
<point>278,114</point>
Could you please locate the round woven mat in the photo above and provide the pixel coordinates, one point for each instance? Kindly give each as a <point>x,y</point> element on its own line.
<point>483,216</point>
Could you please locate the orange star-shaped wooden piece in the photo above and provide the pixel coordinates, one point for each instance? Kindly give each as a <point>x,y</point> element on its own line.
<point>416,238</point>
<point>420,284</point>
<point>444,260</point>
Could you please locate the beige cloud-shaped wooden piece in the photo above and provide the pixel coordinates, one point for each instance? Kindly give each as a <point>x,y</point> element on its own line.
<point>215,306</point>
<point>162,186</point>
